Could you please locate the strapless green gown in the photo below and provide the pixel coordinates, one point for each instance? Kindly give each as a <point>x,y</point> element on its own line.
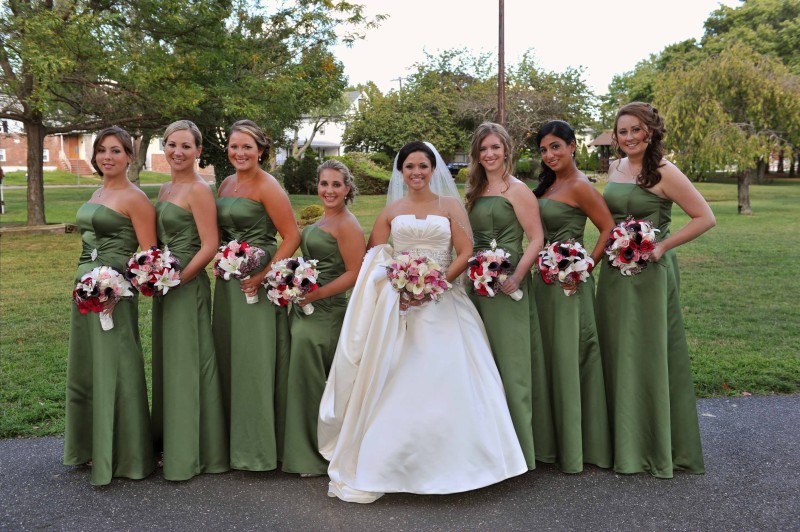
<point>648,376</point>
<point>107,416</point>
<point>188,416</point>
<point>252,345</point>
<point>314,339</point>
<point>572,361</point>
<point>512,327</point>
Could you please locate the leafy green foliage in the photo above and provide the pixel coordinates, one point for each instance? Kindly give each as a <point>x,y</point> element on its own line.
<point>300,177</point>
<point>370,179</point>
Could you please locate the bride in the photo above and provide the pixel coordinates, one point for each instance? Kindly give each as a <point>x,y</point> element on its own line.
<point>414,402</point>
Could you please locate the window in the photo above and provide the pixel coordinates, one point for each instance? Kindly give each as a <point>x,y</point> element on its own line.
<point>2,155</point>
<point>45,156</point>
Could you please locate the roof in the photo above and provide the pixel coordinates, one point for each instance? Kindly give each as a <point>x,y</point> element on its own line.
<point>603,139</point>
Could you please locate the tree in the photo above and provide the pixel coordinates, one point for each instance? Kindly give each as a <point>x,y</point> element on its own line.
<point>333,112</point>
<point>729,110</point>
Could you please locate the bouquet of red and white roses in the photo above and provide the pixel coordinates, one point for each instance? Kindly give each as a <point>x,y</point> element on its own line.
<point>565,263</point>
<point>630,245</point>
<point>99,291</point>
<point>488,269</point>
<point>237,260</point>
<point>417,277</point>
<point>154,271</point>
<point>290,279</point>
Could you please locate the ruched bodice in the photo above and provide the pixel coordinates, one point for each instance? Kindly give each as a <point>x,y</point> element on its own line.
<point>493,218</point>
<point>246,220</point>
<point>323,247</point>
<point>107,233</point>
<point>561,221</point>
<point>628,199</point>
<point>429,236</point>
<point>177,230</point>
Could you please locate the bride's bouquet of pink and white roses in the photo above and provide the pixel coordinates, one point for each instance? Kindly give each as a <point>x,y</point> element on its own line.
<point>237,260</point>
<point>565,263</point>
<point>154,271</point>
<point>630,245</point>
<point>99,291</point>
<point>417,277</point>
<point>488,269</point>
<point>289,280</point>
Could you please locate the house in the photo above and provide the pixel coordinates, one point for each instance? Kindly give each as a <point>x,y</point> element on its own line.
<point>324,131</point>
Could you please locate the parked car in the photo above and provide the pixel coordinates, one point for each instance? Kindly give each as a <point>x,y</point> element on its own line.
<point>455,167</point>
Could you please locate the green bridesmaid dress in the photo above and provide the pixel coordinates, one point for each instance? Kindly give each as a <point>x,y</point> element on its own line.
<point>314,339</point>
<point>513,328</point>
<point>107,416</point>
<point>252,345</point>
<point>646,359</point>
<point>188,416</point>
<point>572,361</point>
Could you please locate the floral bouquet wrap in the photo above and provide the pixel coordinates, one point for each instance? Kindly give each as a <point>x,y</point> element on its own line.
<point>290,279</point>
<point>488,269</point>
<point>154,271</point>
<point>237,260</point>
<point>417,277</point>
<point>630,245</point>
<point>99,291</point>
<point>565,263</point>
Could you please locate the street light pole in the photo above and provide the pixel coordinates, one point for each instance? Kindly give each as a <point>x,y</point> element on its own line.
<point>501,71</point>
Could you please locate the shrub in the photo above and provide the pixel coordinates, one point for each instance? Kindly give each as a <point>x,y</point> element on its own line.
<point>462,175</point>
<point>369,177</point>
<point>310,214</point>
<point>300,177</point>
<point>382,159</point>
<point>586,161</point>
<point>524,169</point>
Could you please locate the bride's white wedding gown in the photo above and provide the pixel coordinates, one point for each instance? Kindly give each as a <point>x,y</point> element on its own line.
<point>414,403</point>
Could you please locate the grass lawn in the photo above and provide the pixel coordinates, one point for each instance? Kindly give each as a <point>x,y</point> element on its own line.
<point>60,177</point>
<point>739,296</point>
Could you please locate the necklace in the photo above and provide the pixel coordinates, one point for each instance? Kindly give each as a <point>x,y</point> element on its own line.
<point>629,171</point>
<point>491,186</point>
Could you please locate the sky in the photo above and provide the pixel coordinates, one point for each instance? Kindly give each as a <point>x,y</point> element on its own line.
<point>607,37</point>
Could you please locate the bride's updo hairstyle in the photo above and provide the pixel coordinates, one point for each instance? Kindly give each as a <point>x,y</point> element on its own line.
<point>653,125</point>
<point>248,127</point>
<point>412,147</point>
<point>562,130</point>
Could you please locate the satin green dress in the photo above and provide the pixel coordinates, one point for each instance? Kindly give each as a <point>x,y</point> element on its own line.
<point>646,358</point>
<point>252,345</point>
<point>572,361</point>
<point>314,339</point>
<point>107,416</point>
<point>513,328</point>
<point>188,416</point>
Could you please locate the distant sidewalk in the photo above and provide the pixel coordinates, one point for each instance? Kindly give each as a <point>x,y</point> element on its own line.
<point>751,447</point>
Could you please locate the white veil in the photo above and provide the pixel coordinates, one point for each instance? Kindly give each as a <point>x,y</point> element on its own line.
<point>442,184</point>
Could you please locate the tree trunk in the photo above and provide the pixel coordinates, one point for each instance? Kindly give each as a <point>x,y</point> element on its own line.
<point>795,160</point>
<point>761,171</point>
<point>141,157</point>
<point>780,161</point>
<point>743,186</point>
<point>35,133</point>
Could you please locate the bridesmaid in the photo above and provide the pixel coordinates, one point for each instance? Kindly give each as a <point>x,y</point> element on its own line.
<point>337,242</point>
<point>252,340</point>
<point>574,368</point>
<point>107,416</point>
<point>502,208</point>
<point>188,417</point>
<point>645,355</point>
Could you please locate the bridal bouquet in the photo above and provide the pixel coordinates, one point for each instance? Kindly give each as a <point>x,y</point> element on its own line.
<point>238,260</point>
<point>99,291</point>
<point>630,245</point>
<point>290,279</point>
<point>154,271</point>
<point>565,263</point>
<point>417,277</point>
<point>488,269</point>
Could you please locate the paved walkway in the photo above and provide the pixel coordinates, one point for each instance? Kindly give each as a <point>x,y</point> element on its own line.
<point>752,450</point>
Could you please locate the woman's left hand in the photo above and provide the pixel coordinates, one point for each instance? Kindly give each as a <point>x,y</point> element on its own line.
<point>657,252</point>
<point>251,285</point>
<point>510,285</point>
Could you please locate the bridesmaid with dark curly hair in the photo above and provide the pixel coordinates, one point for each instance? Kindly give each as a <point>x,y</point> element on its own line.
<point>643,343</point>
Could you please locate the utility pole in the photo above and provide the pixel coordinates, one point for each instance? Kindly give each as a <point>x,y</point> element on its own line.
<point>501,71</point>
<point>399,79</point>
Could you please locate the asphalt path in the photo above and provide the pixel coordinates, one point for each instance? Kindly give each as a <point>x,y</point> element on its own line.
<point>752,482</point>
